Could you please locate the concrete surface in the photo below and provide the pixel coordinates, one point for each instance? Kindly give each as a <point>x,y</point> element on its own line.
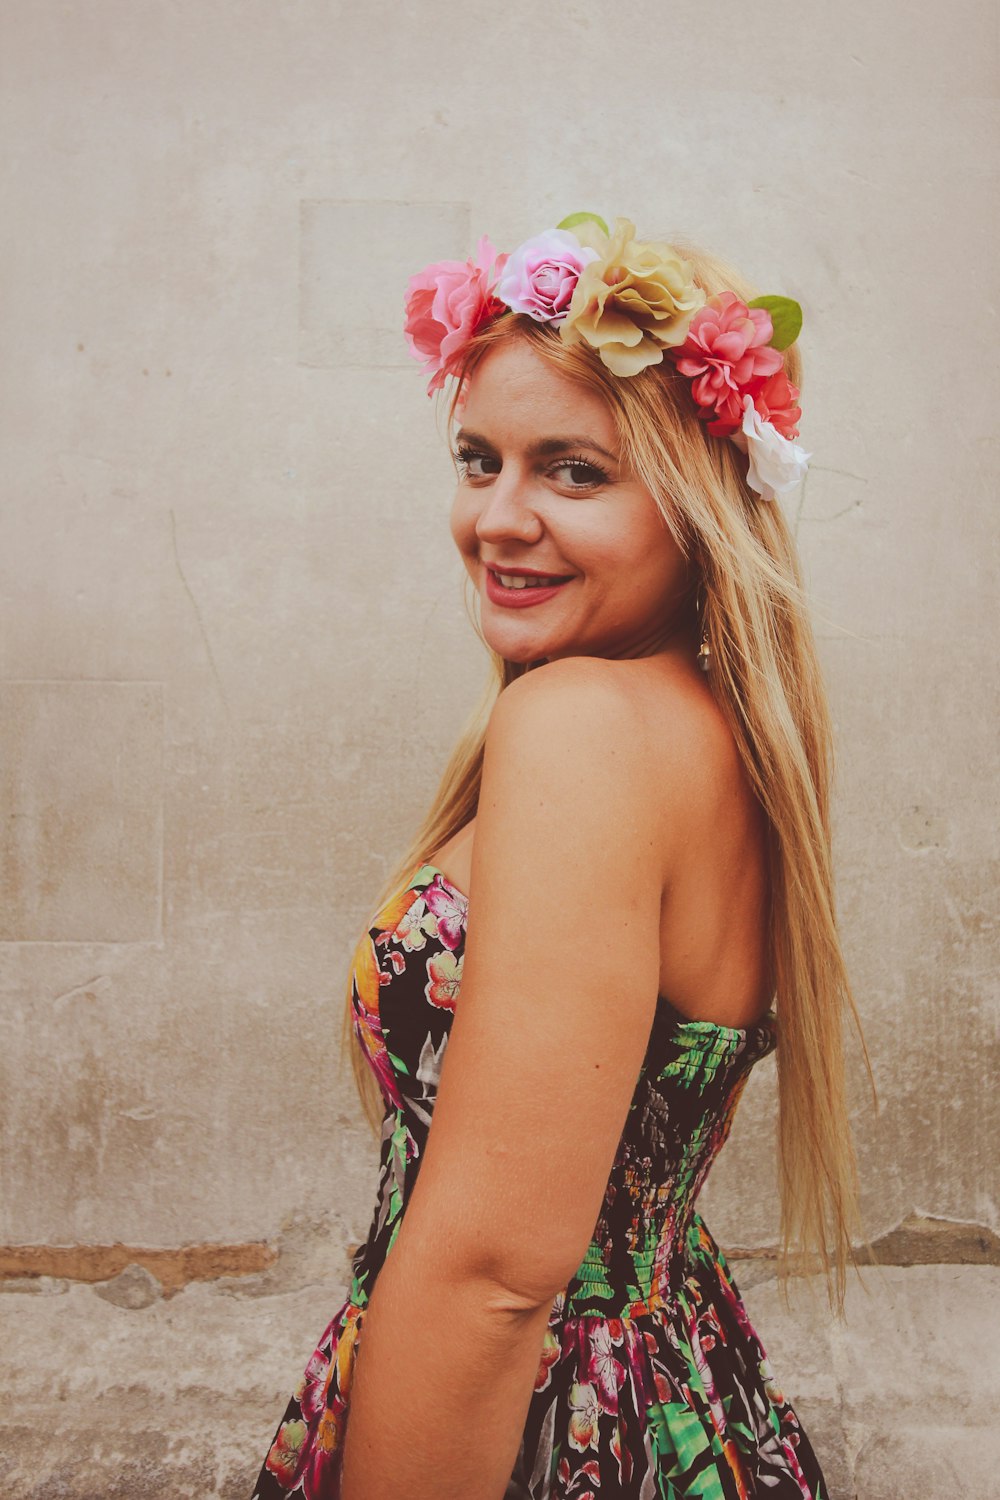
<point>180,1398</point>
<point>234,652</point>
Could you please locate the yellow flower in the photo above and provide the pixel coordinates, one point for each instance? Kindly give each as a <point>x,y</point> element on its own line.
<point>633,302</point>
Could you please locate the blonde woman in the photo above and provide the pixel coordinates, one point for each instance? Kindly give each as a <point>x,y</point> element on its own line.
<point>620,900</point>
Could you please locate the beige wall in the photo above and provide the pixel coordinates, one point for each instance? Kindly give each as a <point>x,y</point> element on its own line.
<point>233,648</point>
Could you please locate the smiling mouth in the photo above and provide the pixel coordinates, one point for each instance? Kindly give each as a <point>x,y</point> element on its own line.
<point>528,580</point>
<point>522,589</point>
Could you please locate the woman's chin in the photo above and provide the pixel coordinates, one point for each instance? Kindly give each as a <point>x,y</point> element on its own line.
<point>517,652</point>
<point>516,642</point>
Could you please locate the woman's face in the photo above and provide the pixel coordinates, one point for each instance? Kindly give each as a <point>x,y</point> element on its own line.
<point>543,495</point>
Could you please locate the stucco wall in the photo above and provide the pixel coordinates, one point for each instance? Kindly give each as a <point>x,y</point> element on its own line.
<point>233,647</point>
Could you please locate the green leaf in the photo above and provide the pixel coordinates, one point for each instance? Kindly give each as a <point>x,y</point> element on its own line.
<point>572,220</point>
<point>786,315</point>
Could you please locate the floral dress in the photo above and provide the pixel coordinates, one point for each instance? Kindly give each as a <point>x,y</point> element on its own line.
<point>652,1383</point>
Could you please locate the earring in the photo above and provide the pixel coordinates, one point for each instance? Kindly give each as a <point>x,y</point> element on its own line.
<point>704,650</point>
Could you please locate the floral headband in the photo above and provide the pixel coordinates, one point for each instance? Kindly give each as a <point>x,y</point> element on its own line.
<point>634,303</point>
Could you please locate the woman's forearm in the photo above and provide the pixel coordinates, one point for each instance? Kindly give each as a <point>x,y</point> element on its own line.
<point>443,1378</point>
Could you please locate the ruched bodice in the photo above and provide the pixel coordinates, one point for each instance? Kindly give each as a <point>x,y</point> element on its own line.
<point>652,1381</point>
<point>688,1087</point>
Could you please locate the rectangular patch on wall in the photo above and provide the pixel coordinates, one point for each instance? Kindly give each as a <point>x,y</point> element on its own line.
<point>81,793</point>
<point>355,259</point>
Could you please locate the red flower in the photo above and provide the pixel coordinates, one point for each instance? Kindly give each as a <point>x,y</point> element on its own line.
<point>776,401</point>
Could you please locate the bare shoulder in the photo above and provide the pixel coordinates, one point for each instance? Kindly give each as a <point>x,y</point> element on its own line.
<point>570,735</point>
<point>654,718</point>
<point>579,705</point>
<point>565,786</point>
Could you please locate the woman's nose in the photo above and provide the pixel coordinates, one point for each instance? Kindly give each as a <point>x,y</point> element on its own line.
<point>507,510</point>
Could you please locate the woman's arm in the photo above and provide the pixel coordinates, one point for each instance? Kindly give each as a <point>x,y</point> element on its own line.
<point>445,1370</point>
<point>558,992</point>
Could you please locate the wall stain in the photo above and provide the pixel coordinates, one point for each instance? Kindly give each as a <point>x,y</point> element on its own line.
<point>173,1268</point>
<point>918,1240</point>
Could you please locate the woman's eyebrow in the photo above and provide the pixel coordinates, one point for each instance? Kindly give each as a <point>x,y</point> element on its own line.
<point>544,448</point>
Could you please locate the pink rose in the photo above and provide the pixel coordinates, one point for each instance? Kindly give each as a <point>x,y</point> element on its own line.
<point>542,274</point>
<point>446,304</point>
<point>724,352</point>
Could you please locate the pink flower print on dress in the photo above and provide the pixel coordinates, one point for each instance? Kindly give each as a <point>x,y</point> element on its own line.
<point>324,1457</point>
<point>704,1369</point>
<point>449,908</point>
<point>639,1345</point>
<point>311,1393</point>
<point>444,980</point>
<point>606,1372</point>
<point>621,1455</point>
<point>725,350</point>
<point>446,303</point>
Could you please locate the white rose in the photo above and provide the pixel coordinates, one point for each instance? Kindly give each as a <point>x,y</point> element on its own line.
<point>776,464</point>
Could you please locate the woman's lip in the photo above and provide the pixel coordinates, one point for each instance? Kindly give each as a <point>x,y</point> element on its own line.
<point>524,572</point>
<point>520,598</point>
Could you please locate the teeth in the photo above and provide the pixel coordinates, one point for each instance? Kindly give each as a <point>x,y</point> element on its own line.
<point>510,581</point>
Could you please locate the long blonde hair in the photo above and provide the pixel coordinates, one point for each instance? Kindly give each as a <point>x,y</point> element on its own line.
<point>766,679</point>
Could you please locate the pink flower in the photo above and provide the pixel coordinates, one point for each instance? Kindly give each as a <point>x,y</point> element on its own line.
<point>311,1393</point>
<point>604,1372</point>
<point>449,907</point>
<point>726,349</point>
<point>325,1455</point>
<point>446,303</point>
<point>776,401</point>
<point>542,274</point>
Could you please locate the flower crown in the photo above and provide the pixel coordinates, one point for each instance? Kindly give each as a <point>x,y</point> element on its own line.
<point>634,303</point>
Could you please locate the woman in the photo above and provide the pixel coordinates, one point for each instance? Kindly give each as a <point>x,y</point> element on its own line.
<point>622,870</point>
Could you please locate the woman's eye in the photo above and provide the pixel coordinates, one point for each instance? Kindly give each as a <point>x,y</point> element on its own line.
<point>476,465</point>
<point>570,473</point>
<point>579,475</point>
